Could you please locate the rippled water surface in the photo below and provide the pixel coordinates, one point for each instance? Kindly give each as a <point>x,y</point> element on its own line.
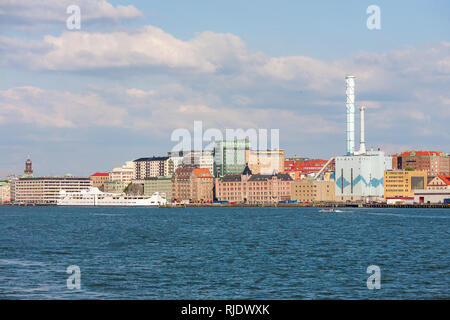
<point>223,253</point>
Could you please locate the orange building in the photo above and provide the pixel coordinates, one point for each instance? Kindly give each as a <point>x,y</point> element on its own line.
<point>192,184</point>
<point>433,162</point>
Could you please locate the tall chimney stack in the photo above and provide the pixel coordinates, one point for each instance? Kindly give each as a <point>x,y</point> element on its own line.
<point>362,145</point>
<point>350,92</point>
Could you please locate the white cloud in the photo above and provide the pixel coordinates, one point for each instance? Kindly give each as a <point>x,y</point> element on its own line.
<point>30,13</point>
<point>138,93</point>
<point>51,108</point>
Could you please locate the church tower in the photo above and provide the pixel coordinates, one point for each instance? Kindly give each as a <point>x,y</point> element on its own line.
<point>28,167</point>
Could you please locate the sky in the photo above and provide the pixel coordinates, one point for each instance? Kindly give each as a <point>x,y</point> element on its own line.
<point>85,100</point>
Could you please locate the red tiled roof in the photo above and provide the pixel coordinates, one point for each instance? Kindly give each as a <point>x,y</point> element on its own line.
<point>100,174</point>
<point>420,153</point>
<point>445,178</point>
<point>203,173</point>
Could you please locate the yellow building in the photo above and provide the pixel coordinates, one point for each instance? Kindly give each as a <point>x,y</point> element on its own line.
<point>402,183</point>
<point>313,191</point>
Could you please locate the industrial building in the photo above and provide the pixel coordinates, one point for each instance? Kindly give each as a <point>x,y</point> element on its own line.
<point>359,174</point>
<point>432,196</point>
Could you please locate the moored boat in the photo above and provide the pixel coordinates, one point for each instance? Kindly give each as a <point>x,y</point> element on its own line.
<point>94,197</point>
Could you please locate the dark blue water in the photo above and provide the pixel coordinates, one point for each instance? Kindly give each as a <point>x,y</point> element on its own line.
<point>223,253</point>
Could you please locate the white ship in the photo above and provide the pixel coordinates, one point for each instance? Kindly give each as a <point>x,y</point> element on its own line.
<point>94,197</point>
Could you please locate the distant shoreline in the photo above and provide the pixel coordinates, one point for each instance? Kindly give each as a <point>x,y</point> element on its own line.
<point>284,205</point>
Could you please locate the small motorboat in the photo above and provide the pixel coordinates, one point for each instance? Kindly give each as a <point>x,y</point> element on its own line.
<point>330,210</point>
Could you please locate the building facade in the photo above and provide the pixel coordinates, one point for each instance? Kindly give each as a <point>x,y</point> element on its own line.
<point>5,192</point>
<point>433,162</point>
<point>432,196</point>
<point>45,190</point>
<point>192,184</point>
<point>361,177</point>
<point>152,167</point>
<point>313,191</point>
<point>305,166</point>
<point>124,174</point>
<point>230,156</point>
<point>440,182</point>
<point>156,184</point>
<point>253,188</point>
<point>196,159</point>
<point>115,186</point>
<point>99,178</point>
<point>265,161</point>
<point>400,184</point>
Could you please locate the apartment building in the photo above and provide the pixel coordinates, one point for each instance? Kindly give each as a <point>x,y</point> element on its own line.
<point>192,184</point>
<point>45,190</point>
<point>433,162</point>
<point>152,167</point>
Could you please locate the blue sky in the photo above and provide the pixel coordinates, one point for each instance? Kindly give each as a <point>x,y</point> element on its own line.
<point>90,99</point>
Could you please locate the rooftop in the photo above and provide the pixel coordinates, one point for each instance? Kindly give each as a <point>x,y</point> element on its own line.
<point>152,159</point>
<point>100,174</point>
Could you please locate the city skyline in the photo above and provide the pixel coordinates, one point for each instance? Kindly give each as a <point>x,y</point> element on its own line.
<point>78,108</point>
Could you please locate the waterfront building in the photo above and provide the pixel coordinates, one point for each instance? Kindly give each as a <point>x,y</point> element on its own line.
<point>99,178</point>
<point>400,184</point>
<point>45,190</point>
<point>230,156</point>
<point>434,162</point>
<point>361,177</point>
<point>313,191</point>
<point>439,182</point>
<point>192,184</point>
<point>115,186</point>
<point>162,185</point>
<point>265,161</point>
<point>432,196</point>
<point>253,188</point>
<point>5,192</point>
<point>152,167</point>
